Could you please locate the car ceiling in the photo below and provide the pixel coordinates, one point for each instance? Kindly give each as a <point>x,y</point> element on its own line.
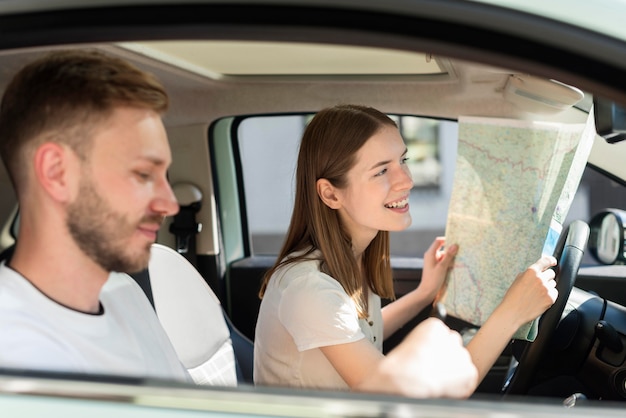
<point>212,79</point>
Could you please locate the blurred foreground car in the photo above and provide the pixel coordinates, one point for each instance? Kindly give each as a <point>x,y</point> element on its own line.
<point>245,77</point>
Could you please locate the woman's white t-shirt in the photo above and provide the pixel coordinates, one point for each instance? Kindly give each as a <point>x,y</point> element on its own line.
<point>302,310</point>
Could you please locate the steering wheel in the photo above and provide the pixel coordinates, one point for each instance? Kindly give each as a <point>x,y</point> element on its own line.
<point>569,253</point>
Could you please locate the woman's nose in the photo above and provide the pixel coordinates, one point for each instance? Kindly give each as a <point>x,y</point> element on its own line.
<point>404,179</point>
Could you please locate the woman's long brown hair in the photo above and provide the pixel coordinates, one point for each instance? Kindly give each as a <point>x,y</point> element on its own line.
<point>328,150</point>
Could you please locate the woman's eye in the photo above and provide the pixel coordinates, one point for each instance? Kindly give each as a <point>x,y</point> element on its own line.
<point>404,160</point>
<point>381,172</point>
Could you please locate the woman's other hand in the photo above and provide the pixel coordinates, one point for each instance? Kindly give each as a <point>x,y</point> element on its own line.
<point>437,261</point>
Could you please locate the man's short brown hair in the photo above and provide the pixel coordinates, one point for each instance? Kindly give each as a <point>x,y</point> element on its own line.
<point>61,96</point>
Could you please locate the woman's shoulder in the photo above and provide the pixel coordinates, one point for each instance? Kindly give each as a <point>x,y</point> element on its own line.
<point>304,272</point>
<point>299,268</point>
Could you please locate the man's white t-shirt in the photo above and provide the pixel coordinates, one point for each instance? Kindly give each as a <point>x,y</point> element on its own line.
<point>302,310</point>
<point>125,339</point>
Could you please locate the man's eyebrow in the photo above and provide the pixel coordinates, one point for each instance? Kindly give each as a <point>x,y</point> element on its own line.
<point>157,161</point>
<point>381,163</point>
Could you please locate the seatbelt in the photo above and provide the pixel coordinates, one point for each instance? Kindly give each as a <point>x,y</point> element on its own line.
<point>143,280</point>
<point>184,225</point>
<point>7,253</point>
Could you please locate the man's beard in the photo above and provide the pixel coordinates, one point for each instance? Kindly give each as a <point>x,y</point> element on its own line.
<point>102,234</point>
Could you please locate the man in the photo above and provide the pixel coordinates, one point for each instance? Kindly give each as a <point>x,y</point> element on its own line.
<point>84,145</point>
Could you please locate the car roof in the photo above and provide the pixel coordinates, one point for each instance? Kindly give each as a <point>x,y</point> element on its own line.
<point>576,13</point>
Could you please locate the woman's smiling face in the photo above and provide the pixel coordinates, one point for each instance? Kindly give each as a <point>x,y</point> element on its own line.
<point>377,195</point>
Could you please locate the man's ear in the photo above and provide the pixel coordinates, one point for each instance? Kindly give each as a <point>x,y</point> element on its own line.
<point>51,170</point>
<point>328,193</point>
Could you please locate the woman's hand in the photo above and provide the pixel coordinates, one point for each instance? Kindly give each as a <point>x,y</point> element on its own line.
<point>437,262</point>
<point>532,292</point>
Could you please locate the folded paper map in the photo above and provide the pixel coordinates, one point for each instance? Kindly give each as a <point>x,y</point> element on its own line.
<point>513,185</point>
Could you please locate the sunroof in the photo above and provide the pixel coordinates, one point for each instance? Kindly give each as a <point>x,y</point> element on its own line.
<point>250,58</point>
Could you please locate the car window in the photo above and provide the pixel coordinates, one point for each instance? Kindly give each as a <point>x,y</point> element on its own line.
<point>269,146</point>
<point>268,150</point>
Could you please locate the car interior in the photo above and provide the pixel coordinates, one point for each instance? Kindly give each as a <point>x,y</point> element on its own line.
<point>209,259</point>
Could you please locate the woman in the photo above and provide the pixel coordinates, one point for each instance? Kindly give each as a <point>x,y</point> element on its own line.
<point>320,323</point>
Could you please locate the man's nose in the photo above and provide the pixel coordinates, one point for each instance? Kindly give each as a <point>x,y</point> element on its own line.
<point>165,201</point>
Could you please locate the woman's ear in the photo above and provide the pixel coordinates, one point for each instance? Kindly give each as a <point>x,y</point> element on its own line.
<point>328,193</point>
<point>51,170</point>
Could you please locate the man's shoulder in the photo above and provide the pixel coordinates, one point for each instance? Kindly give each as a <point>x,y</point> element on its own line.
<point>13,284</point>
<point>6,271</point>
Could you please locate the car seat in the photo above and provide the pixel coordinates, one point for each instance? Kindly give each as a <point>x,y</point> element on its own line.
<point>206,342</point>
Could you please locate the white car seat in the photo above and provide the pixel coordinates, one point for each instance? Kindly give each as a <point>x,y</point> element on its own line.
<point>192,317</point>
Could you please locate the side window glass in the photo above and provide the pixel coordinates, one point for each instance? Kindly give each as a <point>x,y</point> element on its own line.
<point>269,148</point>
